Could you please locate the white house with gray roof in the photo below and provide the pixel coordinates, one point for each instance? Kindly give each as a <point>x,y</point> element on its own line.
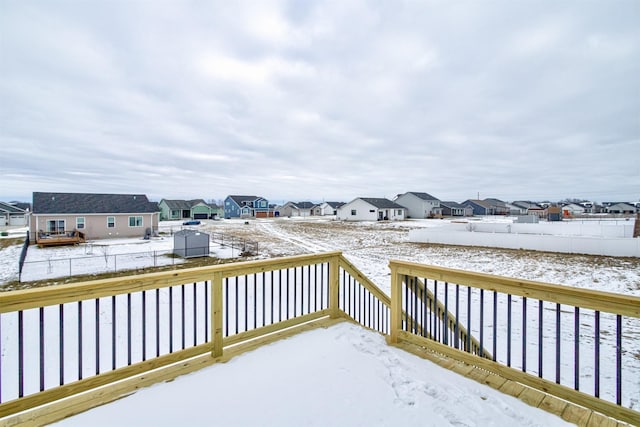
<point>419,205</point>
<point>371,209</point>
<point>296,209</point>
<point>97,216</point>
<point>327,208</point>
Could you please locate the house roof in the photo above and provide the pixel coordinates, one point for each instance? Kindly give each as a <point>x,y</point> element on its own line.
<point>304,205</point>
<point>452,205</point>
<point>183,204</point>
<point>9,208</point>
<point>477,202</point>
<point>335,205</point>
<point>622,205</point>
<point>240,199</point>
<point>382,203</point>
<point>88,203</point>
<point>526,205</point>
<point>423,196</point>
<point>495,202</point>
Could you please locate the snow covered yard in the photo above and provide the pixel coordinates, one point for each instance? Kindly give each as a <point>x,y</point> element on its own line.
<point>98,256</point>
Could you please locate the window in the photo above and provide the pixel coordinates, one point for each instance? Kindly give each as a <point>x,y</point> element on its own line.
<point>353,211</point>
<point>55,226</point>
<point>135,221</point>
<point>399,212</point>
<point>79,222</point>
<point>372,210</point>
<point>111,222</point>
<point>263,203</point>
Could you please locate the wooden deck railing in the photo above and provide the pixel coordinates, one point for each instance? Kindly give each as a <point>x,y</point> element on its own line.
<point>576,344</point>
<point>70,339</point>
<point>63,340</point>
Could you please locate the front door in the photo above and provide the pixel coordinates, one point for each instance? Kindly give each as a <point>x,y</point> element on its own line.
<point>380,215</point>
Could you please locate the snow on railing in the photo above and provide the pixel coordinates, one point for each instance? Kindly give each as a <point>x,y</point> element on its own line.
<point>60,340</point>
<point>580,345</point>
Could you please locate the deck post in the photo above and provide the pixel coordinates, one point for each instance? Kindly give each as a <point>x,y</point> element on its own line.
<point>216,314</point>
<point>334,286</point>
<point>396,305</point>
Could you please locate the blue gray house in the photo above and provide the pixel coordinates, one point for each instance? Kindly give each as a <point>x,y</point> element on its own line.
<point>246,207</point>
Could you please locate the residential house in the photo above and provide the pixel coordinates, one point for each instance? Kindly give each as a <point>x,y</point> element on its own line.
<point>487,206</point>
<point>188,209</point>
<point>530,208</point>
<point>590,207</point>
<point>247,207</point>
<point>515,209</point>
<point>455,209</point>
<point>419,205</point>
<point>499,207</point>
<point>12,215</point>
<point>296,209</point>
<point>371,209</point>
<point>97,216</point>
<point>572,209</point>
<point>327,208</point>
<point>621,208</point>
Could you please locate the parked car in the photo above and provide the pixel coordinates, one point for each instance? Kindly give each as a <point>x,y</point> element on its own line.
<point>191,222</point>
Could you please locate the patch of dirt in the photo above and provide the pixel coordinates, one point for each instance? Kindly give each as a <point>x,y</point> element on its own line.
<point>11,241</point>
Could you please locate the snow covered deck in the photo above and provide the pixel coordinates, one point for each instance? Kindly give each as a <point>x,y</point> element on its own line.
<point>118,332</point>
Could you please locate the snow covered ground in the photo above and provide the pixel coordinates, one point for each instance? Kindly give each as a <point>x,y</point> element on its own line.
<point>370,245</point>
<point>341,376</point>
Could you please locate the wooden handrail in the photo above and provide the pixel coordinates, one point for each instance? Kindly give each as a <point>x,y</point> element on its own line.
<point>626,305</point>
<point>60,294</point>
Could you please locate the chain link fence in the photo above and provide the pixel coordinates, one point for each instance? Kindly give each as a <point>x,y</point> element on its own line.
<point>100,261</point>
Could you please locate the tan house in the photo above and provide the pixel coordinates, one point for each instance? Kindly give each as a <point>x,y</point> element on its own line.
<point>93,216</point>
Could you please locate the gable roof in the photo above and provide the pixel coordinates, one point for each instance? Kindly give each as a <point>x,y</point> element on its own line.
<point>382,203</point>
<point>452,205</point>
<point>9,208</point>
<point>423,196</point>
<point>240,199</point>
<point>495,202</point>
<point>335,205</point>
<point>477,202</point>
<point>526,205</point>
<point>88,203</point>
<point>304,205</point>
<point>622,205</point>
<point>182,204</point>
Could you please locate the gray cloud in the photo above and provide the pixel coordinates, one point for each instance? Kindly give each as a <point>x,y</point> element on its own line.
<point>297,100</point>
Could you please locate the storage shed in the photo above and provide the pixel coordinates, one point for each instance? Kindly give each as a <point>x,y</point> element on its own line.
<point>190,243</point>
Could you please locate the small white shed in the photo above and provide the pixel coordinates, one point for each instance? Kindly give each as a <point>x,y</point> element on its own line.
<point>189,243</point>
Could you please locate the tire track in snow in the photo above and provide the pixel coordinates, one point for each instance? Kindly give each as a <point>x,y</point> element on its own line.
<point>306,244</point>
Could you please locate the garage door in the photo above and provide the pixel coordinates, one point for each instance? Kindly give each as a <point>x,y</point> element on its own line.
<point>17,220</point>
<point>200,216</point>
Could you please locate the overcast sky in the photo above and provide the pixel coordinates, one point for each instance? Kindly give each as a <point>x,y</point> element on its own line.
<point>321,100</point>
